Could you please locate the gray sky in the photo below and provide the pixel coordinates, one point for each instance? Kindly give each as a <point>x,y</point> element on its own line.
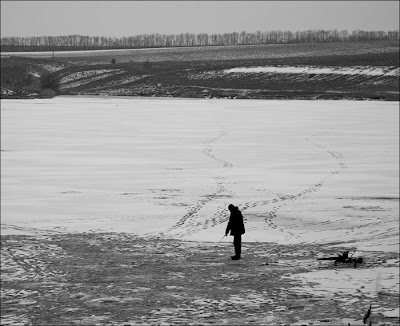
<point>124,18</point>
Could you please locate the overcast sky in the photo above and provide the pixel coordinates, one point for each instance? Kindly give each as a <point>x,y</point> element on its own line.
<point>124,18</point>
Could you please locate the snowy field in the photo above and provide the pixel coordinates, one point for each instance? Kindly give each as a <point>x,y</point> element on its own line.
<point>301,171</point>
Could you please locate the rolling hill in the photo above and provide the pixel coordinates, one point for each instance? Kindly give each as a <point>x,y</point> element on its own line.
<point>350,70</point>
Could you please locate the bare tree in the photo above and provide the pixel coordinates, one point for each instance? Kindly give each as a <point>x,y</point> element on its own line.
<point>79,42</point>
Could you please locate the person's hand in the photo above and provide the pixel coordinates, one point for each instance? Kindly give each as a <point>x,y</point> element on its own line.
<point>226,234</point>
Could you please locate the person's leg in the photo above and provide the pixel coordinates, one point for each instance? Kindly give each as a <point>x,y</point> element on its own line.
<point>237,242</point>
<point>234,245</point>
<point>239,245</point>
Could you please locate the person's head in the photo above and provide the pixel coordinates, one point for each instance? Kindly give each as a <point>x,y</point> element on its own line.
<point>231,207</point>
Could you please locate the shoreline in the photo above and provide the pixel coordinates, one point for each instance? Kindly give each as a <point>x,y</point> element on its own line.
<point>280,97</point>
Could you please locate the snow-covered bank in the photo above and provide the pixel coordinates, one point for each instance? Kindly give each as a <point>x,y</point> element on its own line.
<point>356,70</point>
<point>306,72</point>
<point>302,171</point>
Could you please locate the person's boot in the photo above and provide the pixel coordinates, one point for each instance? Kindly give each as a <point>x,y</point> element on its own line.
<point>237,254</point>
<point>238,251</point>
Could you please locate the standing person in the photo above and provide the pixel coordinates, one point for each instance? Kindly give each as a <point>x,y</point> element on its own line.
<point>236,226</point>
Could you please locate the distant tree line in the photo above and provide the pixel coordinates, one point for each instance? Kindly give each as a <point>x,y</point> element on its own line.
<point>79,42</point>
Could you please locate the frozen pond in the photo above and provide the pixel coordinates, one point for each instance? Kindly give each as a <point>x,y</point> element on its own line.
<point>302,171</point>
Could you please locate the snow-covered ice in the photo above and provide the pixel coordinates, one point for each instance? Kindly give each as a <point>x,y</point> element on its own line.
<point>302,171</point>
<point>350,281</point>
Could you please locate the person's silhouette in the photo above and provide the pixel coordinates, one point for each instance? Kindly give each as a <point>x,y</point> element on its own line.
<point>236,226</point>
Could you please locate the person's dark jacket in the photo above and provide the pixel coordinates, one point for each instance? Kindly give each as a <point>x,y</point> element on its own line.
<point>235,224</point>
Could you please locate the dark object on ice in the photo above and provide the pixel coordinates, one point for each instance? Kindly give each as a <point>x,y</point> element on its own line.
<point>367,315</point>
<point>236,226</point>
<point>357,261</point>
<point>344,258</point>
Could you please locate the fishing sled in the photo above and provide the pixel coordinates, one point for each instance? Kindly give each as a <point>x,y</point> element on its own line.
<point>344,258</point>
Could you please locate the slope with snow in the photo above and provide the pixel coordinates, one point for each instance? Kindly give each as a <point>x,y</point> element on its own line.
<point>356,70</point>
